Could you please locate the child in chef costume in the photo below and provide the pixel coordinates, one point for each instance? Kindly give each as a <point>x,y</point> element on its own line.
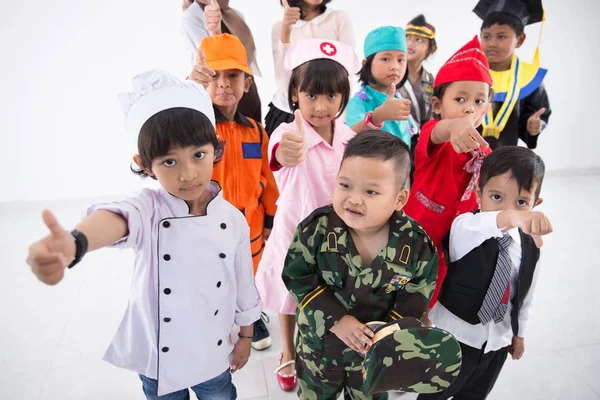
<point>193,275</point>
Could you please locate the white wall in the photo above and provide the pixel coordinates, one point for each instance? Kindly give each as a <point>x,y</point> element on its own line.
<point>64,62</point>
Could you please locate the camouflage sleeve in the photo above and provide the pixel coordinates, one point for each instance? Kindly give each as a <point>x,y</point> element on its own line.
<point>413,300</point>
<point>318,308</point>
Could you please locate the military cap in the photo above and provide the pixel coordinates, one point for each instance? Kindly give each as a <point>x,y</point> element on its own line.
<point>410,357</point>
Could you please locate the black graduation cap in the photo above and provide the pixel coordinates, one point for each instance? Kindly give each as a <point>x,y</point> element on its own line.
<point>527,11</point>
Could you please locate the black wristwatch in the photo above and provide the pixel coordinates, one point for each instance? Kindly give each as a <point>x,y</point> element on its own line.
<point>81,246</point>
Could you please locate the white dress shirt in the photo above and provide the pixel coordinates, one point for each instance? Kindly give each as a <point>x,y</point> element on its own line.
<point>468,232</point>
<point>193,280</point>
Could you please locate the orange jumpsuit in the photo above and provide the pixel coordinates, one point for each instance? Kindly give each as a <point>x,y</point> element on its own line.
<point>245,177</point>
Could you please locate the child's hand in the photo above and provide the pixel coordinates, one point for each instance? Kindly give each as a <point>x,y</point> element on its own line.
<point>201,73</point>
<point>534,123</point>
<point>463,134</point>
<point>392,110</point>
<point>534,223</point>
<point>50,256</point>
<point>266,233</point>
<point>350,331</point>
<point>212,18</point>
<point>241,354</point>
<point>291,15</point>
<point>291,150</point>
<point>517,348</point>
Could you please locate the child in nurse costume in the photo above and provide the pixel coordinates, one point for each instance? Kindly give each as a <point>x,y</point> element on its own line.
<point>305,156</point>
<point>193,277</point>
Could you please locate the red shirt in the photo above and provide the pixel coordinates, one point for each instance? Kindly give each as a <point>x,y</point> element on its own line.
<point>440,181</point>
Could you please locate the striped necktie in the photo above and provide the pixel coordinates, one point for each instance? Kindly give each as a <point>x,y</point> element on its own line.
<point>495,301</point>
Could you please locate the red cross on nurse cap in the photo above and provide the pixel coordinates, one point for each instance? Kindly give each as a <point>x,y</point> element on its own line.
<point>312,49</point>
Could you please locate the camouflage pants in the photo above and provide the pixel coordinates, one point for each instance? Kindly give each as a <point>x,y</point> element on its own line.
<point>329,382</point>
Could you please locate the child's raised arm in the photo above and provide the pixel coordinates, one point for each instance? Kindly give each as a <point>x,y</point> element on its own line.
<point>393,109</point>
<point>291,150</point>
<point>50,256</point>
<point>533,223</point>
<point>461,132</point>
<point>212,18</point>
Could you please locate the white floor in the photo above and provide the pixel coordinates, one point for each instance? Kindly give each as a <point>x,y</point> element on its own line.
<point>53,338</point>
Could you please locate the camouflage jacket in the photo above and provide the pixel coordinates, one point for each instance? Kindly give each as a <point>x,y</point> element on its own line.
<point>324,274</point>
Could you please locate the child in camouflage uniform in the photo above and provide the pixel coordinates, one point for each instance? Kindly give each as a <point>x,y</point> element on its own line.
<point>358,260</point>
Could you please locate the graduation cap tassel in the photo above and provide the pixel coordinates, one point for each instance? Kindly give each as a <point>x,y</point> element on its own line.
<point>536,56</point>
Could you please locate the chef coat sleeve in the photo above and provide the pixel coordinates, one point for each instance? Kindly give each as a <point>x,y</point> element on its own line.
<point>248,304</point>
<point>137,210</point>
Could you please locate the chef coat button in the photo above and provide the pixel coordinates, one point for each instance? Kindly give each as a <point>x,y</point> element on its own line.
<point>167,257</point>
<point>216,312</point>
<point>167,291</point>
<point>166,224</point>
<point>165,349</point>
<point>223,226</point>
<point>222,255</point>
<point>220,342</point>
<point>219,284</point>
<point>167,319</point>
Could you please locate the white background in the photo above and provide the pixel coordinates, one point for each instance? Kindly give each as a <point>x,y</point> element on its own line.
<point>64,62</point>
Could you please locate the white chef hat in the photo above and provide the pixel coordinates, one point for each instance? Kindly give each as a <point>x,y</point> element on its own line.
<point>155,91</point>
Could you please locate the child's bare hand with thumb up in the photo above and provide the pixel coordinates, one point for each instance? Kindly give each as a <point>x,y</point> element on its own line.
<point>291,149</point>
<point>50,256</point>
<point>393,109</point>
<point>212,18</point>
<point>201,74</point>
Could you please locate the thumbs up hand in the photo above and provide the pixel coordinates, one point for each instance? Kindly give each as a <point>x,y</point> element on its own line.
<point>463,133</point>
<point>392,109</point>
<point>50,256</point>
<point>291,151</point>
<point>212,18</point>
<point>201,73</point>
<point>534,123</point>
<point>291,15</point>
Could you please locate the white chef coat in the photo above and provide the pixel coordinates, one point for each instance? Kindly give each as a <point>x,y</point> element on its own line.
<point>193,280</point>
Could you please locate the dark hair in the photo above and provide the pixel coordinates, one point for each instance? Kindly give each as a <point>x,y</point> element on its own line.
<point>319,76</point>
<point>502,18</point>
<point>174,127</point>
<point>366,77</point>
<point>440,90</point>
<point>298,3</point>
<point>523,164</point>
<point>383,146</point>
<point>420,20</point>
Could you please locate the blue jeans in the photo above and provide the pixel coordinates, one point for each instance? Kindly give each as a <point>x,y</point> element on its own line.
<point>218,388</point>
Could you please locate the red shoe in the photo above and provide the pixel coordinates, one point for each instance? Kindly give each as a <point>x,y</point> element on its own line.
<point>286,382</point>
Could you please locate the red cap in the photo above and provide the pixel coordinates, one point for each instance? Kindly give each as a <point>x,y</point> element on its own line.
<point>467,64</point>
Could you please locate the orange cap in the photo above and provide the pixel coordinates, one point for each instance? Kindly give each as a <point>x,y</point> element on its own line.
<point>225,52</point>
